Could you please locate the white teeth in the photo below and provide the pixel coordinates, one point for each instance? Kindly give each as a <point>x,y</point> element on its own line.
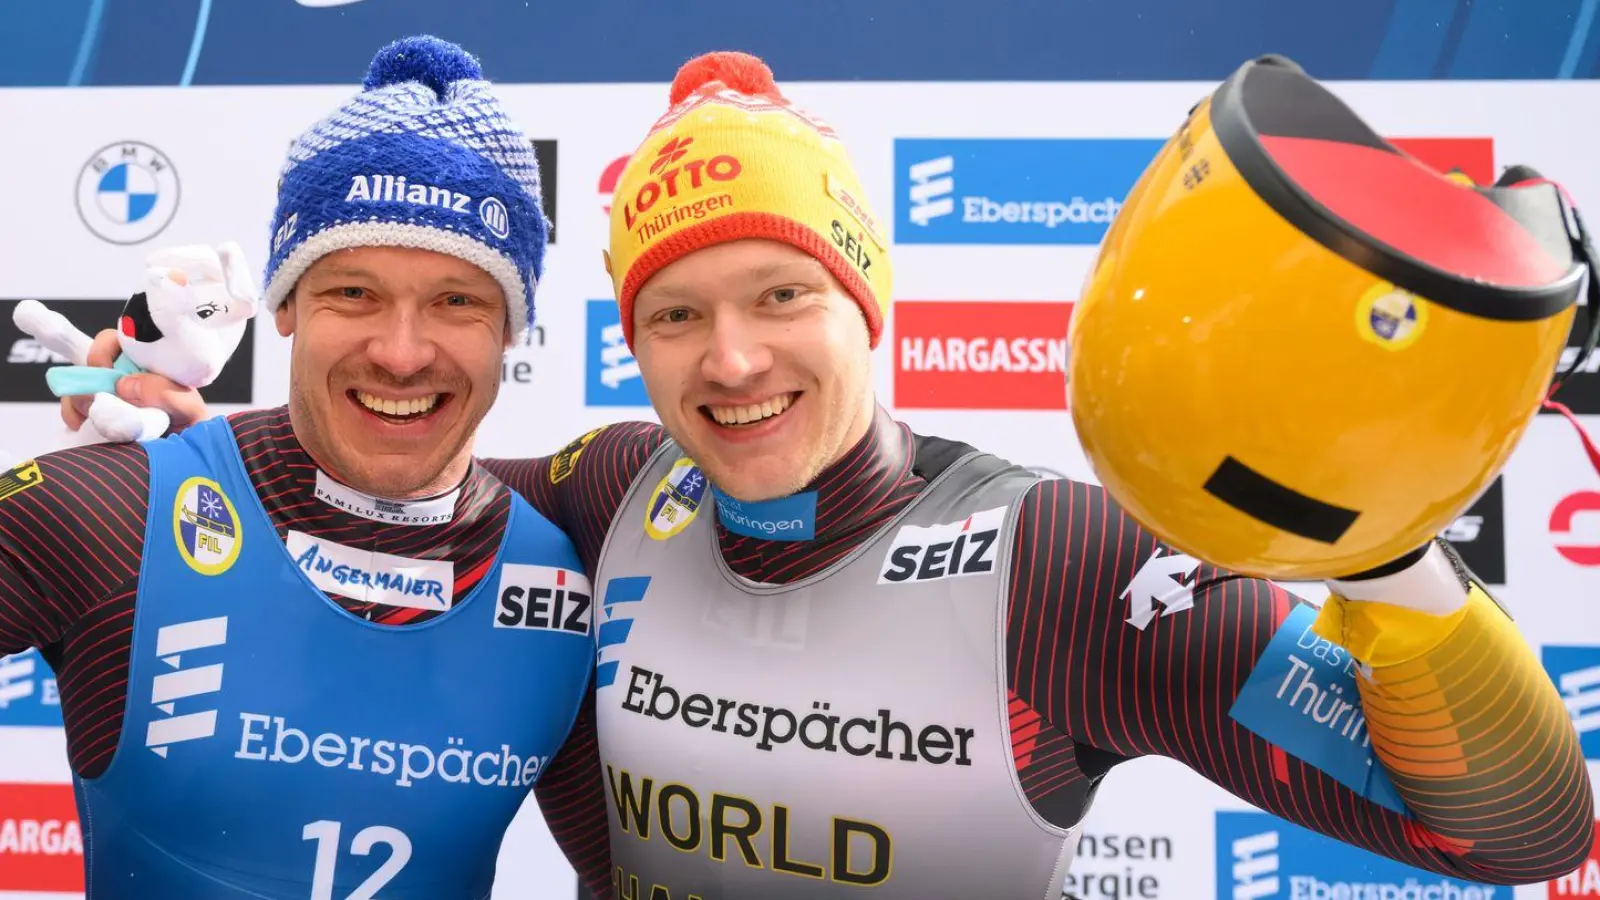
<point>755,412</point>
<point>413,406</point>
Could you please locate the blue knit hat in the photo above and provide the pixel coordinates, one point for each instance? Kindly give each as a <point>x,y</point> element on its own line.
<point>423,157</point>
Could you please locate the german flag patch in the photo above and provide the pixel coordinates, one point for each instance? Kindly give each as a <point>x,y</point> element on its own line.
<point>18,479</point>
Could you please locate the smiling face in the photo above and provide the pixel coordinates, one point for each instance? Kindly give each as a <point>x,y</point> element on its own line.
<point>395,361</point>
<point>757,362</point>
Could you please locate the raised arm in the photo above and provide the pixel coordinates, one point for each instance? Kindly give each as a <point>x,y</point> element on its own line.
<point>1134,649</point>
<point>580,488</point>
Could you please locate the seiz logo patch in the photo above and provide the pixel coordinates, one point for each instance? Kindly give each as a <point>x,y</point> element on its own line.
<point>543,597</point>
<point>931,552</point>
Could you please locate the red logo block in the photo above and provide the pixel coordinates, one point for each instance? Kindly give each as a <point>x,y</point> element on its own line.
<point>1585,882</point>
<point>41,848</point>
<point>980,355</point>
<point>1564,521</point>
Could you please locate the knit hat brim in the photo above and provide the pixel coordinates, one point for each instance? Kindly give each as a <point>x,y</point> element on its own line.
<point>415,237</point>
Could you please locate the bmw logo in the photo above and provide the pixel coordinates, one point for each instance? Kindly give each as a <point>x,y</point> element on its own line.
<point>127,192</point>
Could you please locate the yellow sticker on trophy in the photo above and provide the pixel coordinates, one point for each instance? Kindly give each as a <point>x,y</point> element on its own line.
<point>1391,317</point>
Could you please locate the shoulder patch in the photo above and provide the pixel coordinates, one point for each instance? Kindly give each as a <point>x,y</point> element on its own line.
<point>206,526</point>
<point>950,550</point>
<point>19,478</point>
<point>566,459</point>
<point>676,500</point>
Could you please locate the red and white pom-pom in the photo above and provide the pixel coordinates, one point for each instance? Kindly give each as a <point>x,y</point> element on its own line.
<point>737,71</point>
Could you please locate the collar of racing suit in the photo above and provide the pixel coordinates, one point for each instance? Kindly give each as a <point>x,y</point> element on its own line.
<point>854,497</point>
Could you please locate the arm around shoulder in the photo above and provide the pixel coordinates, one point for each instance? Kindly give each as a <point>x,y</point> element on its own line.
<point>72,526</point>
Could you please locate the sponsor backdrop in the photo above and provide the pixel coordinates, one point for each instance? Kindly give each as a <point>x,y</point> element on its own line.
<point>998,158</point>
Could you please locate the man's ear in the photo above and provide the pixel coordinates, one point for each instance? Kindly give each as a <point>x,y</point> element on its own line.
<point>283,316</point>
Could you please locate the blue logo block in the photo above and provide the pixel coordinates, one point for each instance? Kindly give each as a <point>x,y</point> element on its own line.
<point>1302,696</point>
<point>612,372</point>
<point>1576,673</point>
<point>1263,857</point>
<point>1014,191</point>
<point>792,518</point>
<point>28,691</point>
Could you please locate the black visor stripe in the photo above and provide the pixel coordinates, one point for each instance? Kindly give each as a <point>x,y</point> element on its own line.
<point>1275,504</point>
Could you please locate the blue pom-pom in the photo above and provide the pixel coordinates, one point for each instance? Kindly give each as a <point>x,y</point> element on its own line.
<point>434,62</point>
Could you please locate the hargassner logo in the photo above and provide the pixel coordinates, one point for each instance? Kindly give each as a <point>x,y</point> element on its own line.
<point>613,373</point>
<point>173,644</point>
<point>932,188</point>
<point>1576,673</point>
<point>1263,857</point>
<point>1014,191</point>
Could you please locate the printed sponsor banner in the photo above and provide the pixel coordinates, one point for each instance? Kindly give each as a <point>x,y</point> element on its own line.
<point>1263,857</point>
<point>1575,670</point>
<point>23,366</point>
<point>980,355</point>
<point>611,373</point>
<point>28,694</point>
<point>1479,535</point>
<point>41,844</point>
<point>1013,191</point>
<point>1584,881</point>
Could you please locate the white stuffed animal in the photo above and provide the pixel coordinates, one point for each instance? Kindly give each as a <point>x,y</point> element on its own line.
<point>185,325</point>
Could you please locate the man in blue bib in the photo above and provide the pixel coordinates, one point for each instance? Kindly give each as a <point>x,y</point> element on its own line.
<point>317,651</point>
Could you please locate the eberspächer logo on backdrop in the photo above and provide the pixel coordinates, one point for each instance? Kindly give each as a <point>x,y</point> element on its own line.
<point>1263,857</point>
<point>612,374</point>
<point>1576,674</point>
<point>1032,191</point>
<point>23,360</point>
<point>127,192</point>
<point>28,694</point>
<point>980,354</point>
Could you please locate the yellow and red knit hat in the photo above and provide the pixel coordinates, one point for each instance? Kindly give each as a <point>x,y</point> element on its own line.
<point>732,159</point>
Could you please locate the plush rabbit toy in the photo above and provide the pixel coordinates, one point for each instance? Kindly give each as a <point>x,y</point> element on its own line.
<point>185,325</point>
